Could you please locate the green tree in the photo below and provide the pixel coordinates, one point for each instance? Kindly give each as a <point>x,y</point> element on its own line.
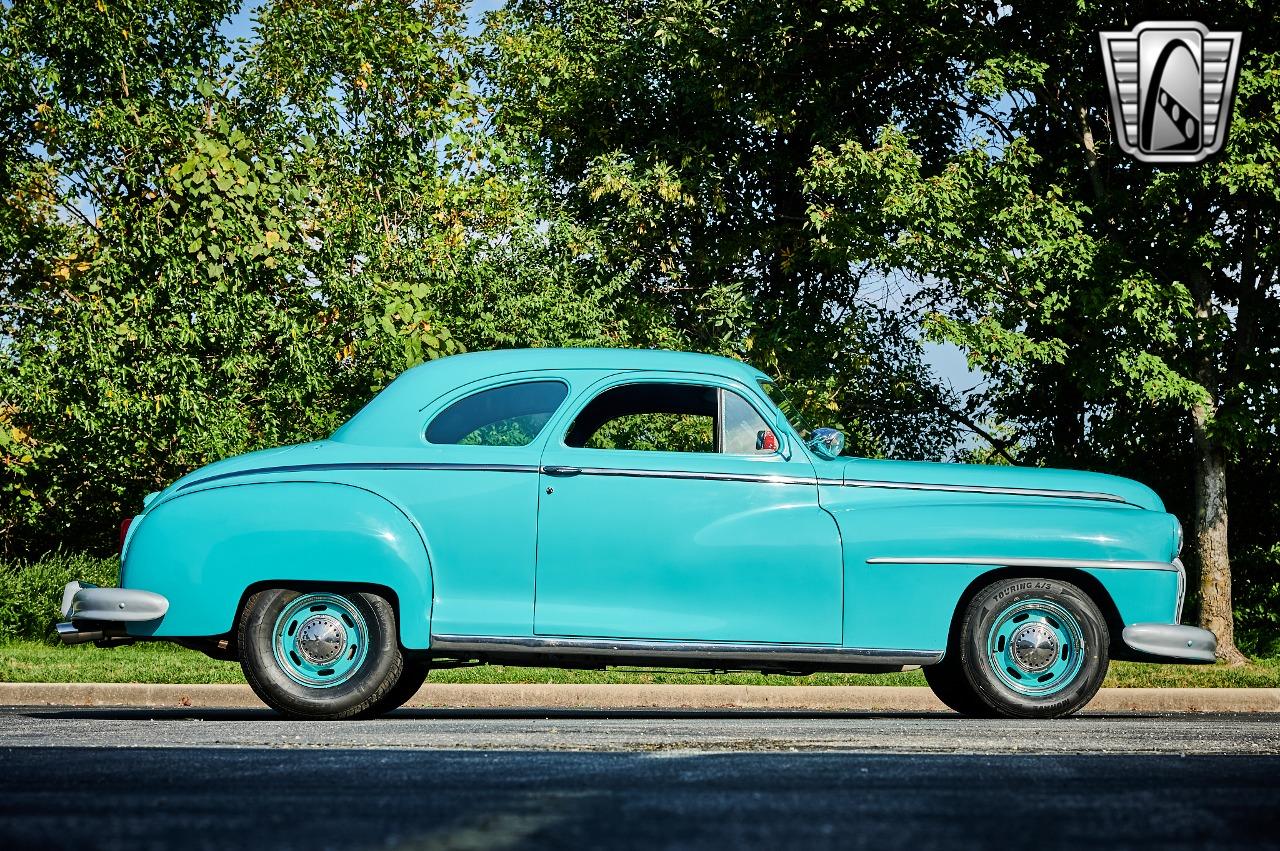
<point>149,314</point>
<point>680,130</point>
<point>1119,309</point>
<point>212,246</point>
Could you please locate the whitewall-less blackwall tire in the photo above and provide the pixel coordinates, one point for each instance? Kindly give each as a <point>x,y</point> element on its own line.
<point>1032,647</point>
<point>411,679</point>
<point>319,654</point>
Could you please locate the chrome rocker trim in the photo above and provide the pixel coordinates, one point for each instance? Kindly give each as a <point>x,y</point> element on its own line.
<point>1003,561</point>
<point>700,653</point>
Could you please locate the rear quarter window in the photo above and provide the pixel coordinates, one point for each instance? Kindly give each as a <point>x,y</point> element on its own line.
<point>511,415</point>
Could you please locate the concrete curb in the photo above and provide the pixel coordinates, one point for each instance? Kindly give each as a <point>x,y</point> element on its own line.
<point>708,697</point>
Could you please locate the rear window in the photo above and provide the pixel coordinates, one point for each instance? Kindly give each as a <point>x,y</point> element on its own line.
<point>512,415</point>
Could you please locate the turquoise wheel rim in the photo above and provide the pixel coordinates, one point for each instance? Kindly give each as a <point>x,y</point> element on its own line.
<point>1036,647</point>
<point>320,640</point>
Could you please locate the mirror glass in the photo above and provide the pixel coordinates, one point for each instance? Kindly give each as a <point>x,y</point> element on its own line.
<point>826,443</point>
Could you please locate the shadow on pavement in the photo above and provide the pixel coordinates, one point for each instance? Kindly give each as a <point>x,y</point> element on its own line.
<point>284,798</point>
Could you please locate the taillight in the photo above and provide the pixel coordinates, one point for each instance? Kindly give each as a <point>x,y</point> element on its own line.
<point>124,531</point>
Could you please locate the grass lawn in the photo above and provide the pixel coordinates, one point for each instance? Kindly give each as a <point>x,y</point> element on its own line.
<point>33,662</point>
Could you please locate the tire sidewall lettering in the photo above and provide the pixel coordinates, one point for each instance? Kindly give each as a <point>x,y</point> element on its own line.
<point>1000,595</point>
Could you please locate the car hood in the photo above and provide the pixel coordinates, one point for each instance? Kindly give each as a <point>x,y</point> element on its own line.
<point>1014,479</point>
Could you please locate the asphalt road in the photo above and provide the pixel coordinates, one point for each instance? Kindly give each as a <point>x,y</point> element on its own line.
<point>135,779</point>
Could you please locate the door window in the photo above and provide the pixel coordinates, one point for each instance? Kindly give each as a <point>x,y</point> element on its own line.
<point>500,416</point>
<point>744,432</point>
<point>671,418</point>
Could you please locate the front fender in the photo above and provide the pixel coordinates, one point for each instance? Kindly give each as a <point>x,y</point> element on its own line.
<point>910,556</point>
<point>202,550</point>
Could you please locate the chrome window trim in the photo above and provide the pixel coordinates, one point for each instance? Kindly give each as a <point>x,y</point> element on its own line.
<point>446,398</point>
<point>458,396</point>
<point>628,472</point>
<point>683,650</point>
<point>720,383</point>
<point>1003,561</point>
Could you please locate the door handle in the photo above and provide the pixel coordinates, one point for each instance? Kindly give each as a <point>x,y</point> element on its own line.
<point>561,471</point>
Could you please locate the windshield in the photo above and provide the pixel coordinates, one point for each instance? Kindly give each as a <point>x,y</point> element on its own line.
<point>775,392</point>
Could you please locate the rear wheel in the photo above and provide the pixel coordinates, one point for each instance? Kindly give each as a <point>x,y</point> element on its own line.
<point>1028,648</point>
<point>319,654</point>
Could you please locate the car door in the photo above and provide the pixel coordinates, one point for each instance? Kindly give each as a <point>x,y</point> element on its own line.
<point>672,508</point>
<point>473,490</point>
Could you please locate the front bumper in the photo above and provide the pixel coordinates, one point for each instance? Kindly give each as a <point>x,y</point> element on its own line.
<point>97,614</point>
<point>1172,642</point>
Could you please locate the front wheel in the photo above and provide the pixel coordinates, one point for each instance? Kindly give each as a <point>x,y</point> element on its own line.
<point>1025,648</point>
<point>319,654</point>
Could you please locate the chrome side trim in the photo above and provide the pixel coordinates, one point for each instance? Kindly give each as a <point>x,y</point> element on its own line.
<point>628,472</point>
<point>1003,561</point>
<point>507,468</point>
<point>666,474</point>
<point>691,651</point>
<point>368,465</point>
<point>927,486</point>
<point>805,480</point>
<point>765,478</point>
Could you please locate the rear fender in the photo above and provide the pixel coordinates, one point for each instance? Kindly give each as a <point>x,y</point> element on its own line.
<point>203,550</point>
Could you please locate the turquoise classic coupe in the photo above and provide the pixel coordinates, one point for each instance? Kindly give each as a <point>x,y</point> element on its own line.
<point>581,508</point>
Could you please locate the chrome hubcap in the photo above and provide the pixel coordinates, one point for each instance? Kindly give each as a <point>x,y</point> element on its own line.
<point>321,639</point>
<point>1035,647</point>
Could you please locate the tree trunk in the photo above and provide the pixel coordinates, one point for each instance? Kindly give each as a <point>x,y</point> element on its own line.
<point>1210,532</point>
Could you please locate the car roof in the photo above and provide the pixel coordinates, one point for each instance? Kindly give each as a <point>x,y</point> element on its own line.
<point>475,365</point>
<point>421,384</point>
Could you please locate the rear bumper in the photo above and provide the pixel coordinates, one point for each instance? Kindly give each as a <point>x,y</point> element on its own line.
<point>1171,642</point>
<point>96,614</point>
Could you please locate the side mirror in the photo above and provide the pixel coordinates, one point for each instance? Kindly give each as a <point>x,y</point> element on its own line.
<point>766,441</point>
<point>826,443</point>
